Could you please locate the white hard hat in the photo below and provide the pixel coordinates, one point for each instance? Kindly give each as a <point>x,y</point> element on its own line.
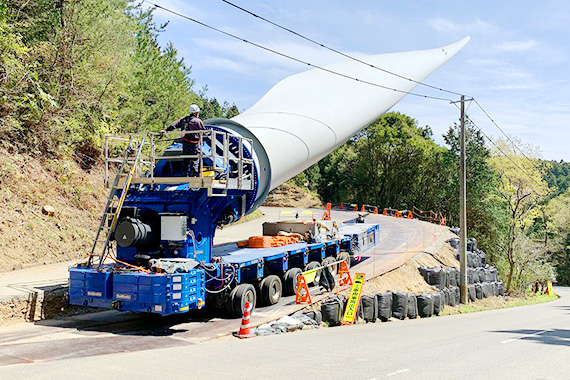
<point>194,108</point>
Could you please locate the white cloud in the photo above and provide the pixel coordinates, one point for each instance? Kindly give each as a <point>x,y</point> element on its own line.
<point>447,27</point>
<point>516,46</point>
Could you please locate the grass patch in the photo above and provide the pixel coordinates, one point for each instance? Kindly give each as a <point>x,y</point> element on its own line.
<point>498,303</point>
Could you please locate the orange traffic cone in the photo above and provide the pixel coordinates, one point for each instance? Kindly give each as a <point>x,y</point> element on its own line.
<point>375,210</point>
<point>244,330</point>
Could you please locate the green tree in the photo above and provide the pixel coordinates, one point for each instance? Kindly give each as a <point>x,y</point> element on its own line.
<point>522,189</point>
<point>557,217</point>
<point>486,214</point>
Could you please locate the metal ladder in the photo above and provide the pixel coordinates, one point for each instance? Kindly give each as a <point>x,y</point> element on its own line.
<point>115,201</point>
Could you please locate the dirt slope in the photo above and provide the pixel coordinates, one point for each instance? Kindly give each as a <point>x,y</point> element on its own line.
<point>27,236</point>
<point>290,195</point>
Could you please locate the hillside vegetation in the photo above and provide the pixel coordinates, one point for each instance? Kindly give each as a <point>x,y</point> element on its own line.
<point>72,72</point>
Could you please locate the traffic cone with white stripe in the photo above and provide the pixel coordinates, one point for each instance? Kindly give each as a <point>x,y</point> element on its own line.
<point>244,330</point>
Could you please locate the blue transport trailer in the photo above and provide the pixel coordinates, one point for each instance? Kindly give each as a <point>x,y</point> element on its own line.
<point>154,252</point>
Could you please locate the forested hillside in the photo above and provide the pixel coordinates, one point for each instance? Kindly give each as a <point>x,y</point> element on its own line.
<point>72,72</point>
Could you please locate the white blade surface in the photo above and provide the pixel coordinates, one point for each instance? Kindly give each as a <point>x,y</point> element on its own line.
<point>308,115</point>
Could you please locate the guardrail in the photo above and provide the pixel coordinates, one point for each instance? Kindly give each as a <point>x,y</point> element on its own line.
<point>224,160</point>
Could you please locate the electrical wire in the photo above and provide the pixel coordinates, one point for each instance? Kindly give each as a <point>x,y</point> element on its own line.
<point>291,57</point>
<point>507,136</point>
<point>337,51</point>
<point>504,154</point>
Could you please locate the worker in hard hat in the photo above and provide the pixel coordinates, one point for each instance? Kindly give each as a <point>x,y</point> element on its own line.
<point>189,140</point>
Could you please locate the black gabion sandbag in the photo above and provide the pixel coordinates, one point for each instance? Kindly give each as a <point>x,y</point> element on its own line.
<point>446,296</point>
<point>437,303</point>
<point>454,242</point>
<point>315,315</point>
<point>453,277</point>
<point>412,306</point>
<point>500,288</point>
<point>479,291</point>
<point>487,289</point>
<point>369,308</point>
<point>495,288</point>
<point>493,273</point>
<point>452,299</point>
<point>433,276</point>
<point>457,295</point>
<point>482,272</point>
<point>399,305</point>
<point>384,306</point>
<point>472,293</point>
<point>471,244</point>
<point>332,310</point>
<point>425,305</point>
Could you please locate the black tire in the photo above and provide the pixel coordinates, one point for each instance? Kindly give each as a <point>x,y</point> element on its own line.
<point>344,256</point>
<point>314,265</point>
<point>239,296</point>
<point>290,281</point>
<point>270,289</point>
<point>329,260</point>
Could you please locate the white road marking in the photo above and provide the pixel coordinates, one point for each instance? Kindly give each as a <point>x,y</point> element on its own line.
<point>398,372</point>
<point>524,336</point>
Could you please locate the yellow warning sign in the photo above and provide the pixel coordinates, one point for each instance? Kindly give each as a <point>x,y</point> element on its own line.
<point>354,299</point>
<point>549,290</point>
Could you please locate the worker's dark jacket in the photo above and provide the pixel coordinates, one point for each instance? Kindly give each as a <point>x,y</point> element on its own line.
<point>188,123</point>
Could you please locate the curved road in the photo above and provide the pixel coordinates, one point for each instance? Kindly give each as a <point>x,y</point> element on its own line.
<point>112,332</point>
<point>529,342</point>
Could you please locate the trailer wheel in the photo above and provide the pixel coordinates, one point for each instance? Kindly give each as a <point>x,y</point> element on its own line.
<point>239,296</point>
<point>290,280</point>
<point>344,256</point>
<point>270,290</point>
<point>329,260</point>
<point>313,265</point>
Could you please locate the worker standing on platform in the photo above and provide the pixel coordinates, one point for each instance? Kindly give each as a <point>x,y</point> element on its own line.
<point>189,140</point>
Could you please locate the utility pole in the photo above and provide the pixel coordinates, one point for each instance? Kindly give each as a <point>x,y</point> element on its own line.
<point>463,283</point>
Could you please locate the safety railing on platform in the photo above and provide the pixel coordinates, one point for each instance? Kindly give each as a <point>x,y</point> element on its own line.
<point>221,160</point>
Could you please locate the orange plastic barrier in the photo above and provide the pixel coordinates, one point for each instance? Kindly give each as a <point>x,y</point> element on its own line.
<point>410,215</point>
<point>376,210</point>
<point>344,275</point>
<point>327,214</point>
<point>385,212</point>
<point>302,294</point>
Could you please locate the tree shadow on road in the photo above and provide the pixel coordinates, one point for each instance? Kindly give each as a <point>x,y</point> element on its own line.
<point>557,337</point>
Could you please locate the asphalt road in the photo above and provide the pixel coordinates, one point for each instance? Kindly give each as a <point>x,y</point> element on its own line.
<point>113,332</point>
<point>530,342</point>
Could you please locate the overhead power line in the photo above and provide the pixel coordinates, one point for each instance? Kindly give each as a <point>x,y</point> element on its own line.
<point>507,136</point>
<point>335,50</point>
<point>291,57</point>
<point>505,154</point>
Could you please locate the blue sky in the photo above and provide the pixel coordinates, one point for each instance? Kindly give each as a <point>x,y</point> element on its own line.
<point>517,64</point>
